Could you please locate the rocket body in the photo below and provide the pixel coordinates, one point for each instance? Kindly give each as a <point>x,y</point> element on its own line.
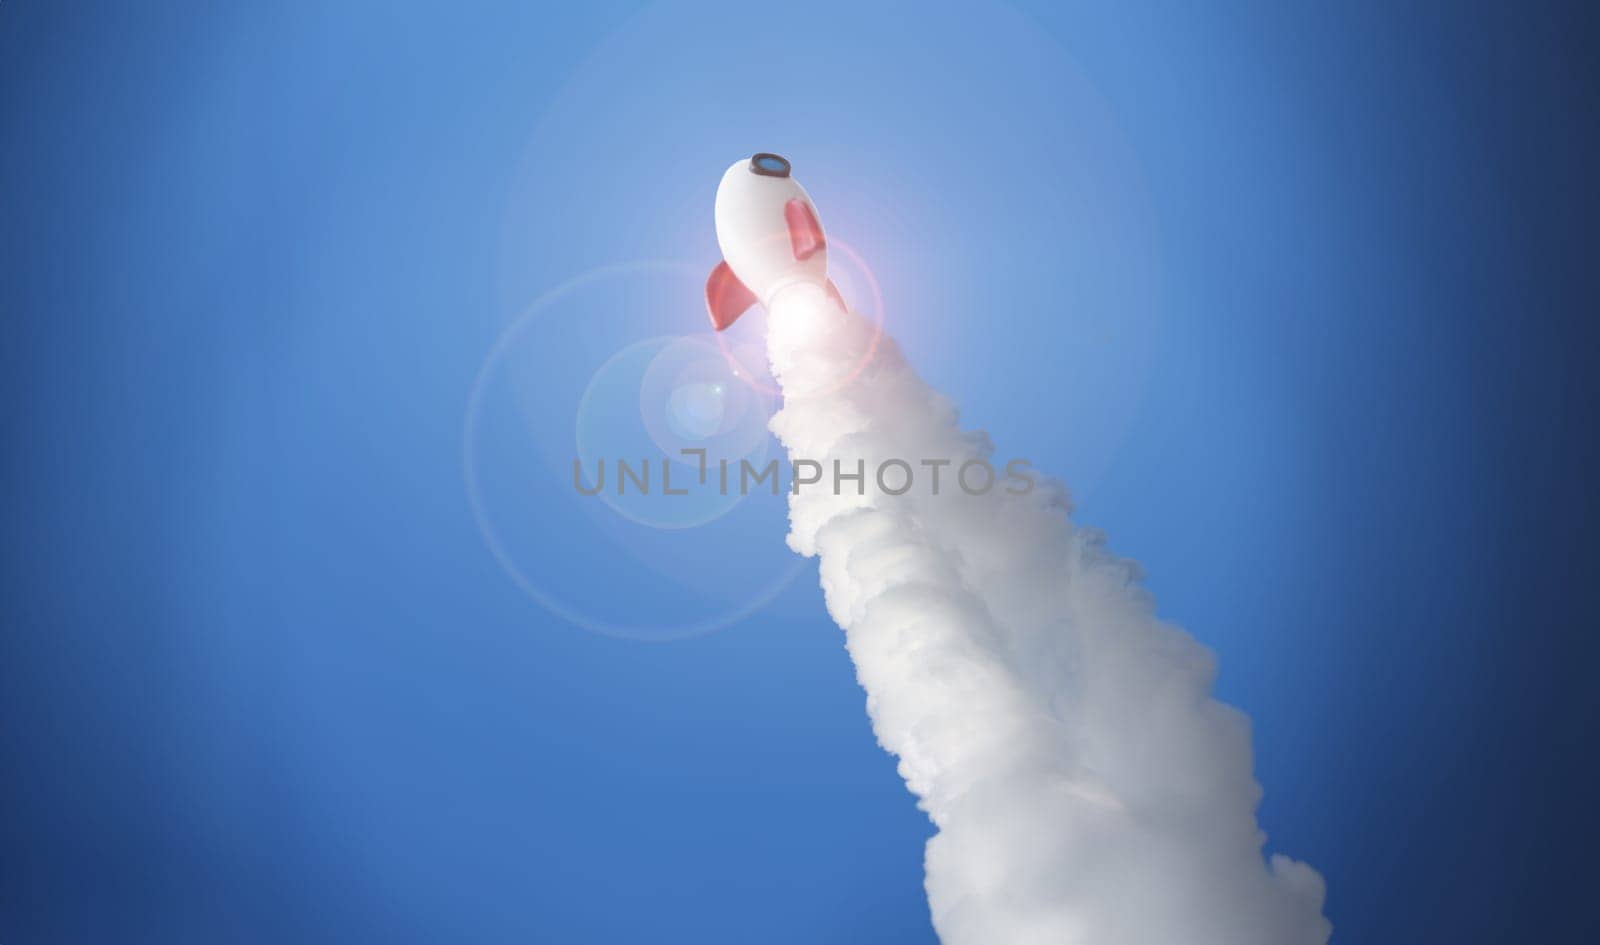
<point>770,236</point>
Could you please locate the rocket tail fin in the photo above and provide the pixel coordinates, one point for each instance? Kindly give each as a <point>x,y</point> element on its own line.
<point>726,297</point>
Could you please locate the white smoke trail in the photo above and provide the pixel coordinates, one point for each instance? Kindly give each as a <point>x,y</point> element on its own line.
<point>1085,785</point>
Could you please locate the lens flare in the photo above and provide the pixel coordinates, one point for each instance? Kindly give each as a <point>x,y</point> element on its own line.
<point>691,398</point>
<point>659,422</point>
<point>537,428</point>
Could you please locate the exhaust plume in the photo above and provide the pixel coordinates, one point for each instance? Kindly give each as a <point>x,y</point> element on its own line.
<point>1085,785</point>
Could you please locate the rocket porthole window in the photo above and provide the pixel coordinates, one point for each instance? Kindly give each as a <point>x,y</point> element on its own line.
<point>770,165</point>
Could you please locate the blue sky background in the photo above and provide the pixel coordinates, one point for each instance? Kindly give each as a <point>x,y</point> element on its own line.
<point>1298,302</point>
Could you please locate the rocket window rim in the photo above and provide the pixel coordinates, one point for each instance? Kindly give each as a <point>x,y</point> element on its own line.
<point>759,157</point>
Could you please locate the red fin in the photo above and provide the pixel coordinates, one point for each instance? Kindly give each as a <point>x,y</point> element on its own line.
<point>726,297</point>
<point>805,233</point>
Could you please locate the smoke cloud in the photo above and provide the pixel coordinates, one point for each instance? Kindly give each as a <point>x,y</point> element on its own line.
<point>1085,785</point>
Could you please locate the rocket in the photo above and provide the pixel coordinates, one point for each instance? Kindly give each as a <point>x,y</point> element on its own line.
<point>770,237</point>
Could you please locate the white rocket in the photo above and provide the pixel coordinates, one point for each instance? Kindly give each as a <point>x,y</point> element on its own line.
<point>770,237</point>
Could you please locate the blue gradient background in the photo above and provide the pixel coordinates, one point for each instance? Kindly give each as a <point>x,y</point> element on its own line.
<point>262,682</point>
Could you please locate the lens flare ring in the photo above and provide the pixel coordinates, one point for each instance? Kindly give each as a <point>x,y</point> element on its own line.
<point>472,475</point>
